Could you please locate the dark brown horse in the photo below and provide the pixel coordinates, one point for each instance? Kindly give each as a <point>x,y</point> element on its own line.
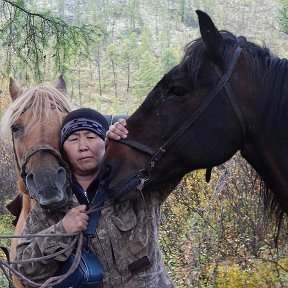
<point>227,94</point>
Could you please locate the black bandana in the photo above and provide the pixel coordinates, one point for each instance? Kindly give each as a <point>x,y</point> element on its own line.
<point>84,119</point>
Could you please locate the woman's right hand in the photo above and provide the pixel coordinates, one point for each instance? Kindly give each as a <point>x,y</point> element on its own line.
<point>76,219</point>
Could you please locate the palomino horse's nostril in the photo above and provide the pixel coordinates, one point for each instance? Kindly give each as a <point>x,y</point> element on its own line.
<point>30,179</point>
<point>60,178</point>
<point>31,184</point>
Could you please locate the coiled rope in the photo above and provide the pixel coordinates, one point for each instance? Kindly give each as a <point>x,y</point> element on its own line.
<point>55,279</point>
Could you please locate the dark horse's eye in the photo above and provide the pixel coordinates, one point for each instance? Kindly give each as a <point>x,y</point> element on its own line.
<point>177,91</point>
<point>17,129</point>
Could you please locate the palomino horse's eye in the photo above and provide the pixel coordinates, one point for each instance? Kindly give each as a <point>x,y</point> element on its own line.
<point>17,129</point>
<point>177,91</point>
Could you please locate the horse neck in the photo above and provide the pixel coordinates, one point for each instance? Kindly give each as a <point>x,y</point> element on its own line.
<point>267,142</point>
<point>271,163</point>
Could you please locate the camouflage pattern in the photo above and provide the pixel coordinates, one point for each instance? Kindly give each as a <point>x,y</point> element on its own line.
<point>40,221</point>
<point>126,244</point>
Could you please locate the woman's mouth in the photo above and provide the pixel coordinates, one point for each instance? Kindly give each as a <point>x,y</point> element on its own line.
<point>84,158</point>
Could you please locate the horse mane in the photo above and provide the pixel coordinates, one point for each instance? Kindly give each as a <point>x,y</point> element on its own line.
<point>262,62</point>
<point>195,55</point>
<point>275,118</point>
<point>39,98</point>
<point>270,74</point>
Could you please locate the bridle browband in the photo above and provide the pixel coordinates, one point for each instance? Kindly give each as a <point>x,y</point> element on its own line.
<point>144,174</point>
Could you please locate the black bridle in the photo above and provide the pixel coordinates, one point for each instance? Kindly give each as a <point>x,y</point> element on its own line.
<point>144,174</point>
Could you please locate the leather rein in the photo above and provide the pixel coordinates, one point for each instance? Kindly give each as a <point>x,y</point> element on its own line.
<point>143,175</point>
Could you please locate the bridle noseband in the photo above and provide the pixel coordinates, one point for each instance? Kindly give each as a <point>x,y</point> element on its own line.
<point>36,149</point>
<point>144,174</point>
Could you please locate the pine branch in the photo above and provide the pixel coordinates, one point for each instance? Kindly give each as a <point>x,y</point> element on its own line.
<point>29,38</point>
<point>25,11</point>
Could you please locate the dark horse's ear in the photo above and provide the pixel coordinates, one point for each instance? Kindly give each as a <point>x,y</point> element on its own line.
<point>14,90</point>
<point>61,85</point>
<point>210,34</point>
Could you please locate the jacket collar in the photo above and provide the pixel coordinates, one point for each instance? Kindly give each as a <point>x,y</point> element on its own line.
<point>79,192</point>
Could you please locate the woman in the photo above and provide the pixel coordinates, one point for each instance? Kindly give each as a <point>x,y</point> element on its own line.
<point>126,242</point>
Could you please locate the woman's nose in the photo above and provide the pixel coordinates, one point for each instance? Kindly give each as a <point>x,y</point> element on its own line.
<point>83,145</point>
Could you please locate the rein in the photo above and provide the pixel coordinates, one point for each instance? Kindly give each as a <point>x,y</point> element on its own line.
<point>53,280</point>
<point>76,242</point>
<point>143,175</point>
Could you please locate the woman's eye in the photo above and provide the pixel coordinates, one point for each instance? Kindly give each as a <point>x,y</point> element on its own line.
<point>177,91</point>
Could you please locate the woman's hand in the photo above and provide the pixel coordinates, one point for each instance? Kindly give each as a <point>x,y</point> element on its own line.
<point>76,219</point>
<point>117,131</point>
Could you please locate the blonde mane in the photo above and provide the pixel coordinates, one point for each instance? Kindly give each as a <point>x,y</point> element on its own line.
<point>39,99</point>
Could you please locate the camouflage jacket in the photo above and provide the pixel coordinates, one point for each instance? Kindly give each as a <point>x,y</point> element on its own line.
<point>126,244</point>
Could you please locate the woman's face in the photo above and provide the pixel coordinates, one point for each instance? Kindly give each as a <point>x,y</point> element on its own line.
<point>84,150</point>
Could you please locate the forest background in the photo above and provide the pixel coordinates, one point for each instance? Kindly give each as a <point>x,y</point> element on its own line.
<point>111,54</point>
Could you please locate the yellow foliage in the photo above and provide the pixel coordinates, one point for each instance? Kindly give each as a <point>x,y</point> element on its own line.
<point>254,274</point>
<point>202,223</point>
<point>2,255</point>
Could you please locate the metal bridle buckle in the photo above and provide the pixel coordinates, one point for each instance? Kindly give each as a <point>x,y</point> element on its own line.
<point>143,176</point>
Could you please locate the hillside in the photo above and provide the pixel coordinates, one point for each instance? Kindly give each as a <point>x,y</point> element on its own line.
<point>126,61</point>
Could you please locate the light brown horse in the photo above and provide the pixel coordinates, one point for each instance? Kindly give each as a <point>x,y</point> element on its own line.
<point>34,119</point>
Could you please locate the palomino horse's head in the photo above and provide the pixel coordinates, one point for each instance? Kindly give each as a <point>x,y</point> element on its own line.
<point>35,118</point>
<point>213,103</point>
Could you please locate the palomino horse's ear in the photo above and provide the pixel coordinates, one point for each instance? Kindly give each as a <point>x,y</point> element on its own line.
<point>210,34</point>
<point>61,85</point>
<point>14,90</point>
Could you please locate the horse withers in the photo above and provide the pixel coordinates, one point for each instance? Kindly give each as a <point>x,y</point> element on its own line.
<point>34,119</point>
<point>227,94</point>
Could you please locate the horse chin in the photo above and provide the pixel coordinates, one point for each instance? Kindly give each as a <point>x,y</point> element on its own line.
<point>131,195</point>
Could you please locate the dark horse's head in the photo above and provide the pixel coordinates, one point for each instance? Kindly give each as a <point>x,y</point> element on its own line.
<point>227,94</point>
